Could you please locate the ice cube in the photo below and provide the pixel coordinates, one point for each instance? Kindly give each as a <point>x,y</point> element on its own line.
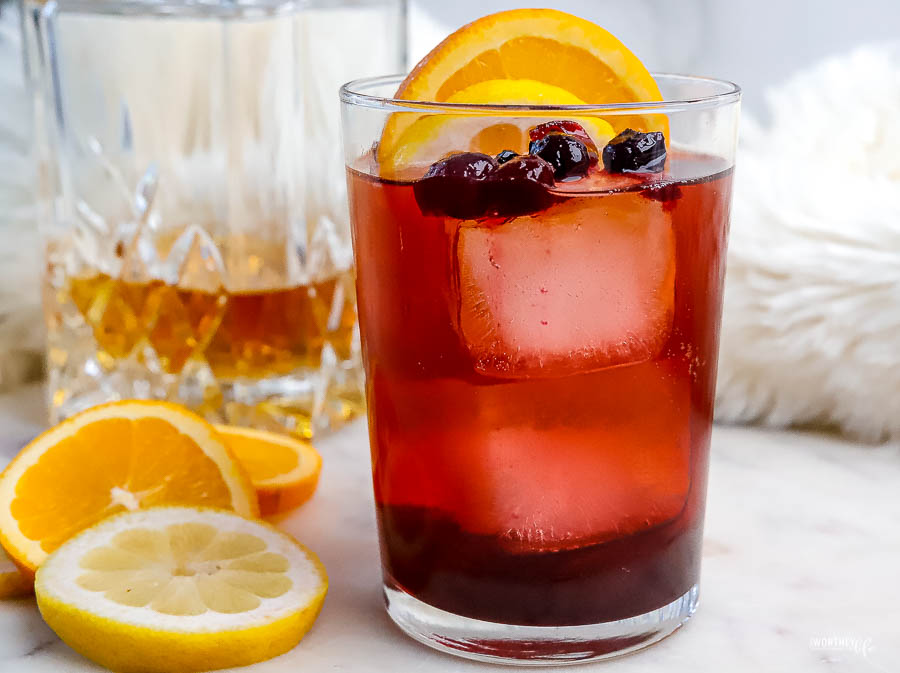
<point>543,488</point>
<point>542,464</point>
<point>584,285</point>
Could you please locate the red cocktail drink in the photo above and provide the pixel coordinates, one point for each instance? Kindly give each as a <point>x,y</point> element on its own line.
<point>539,291</point>
<point>540,392</point>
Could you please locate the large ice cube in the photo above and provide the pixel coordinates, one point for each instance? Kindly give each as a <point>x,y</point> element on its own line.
<point>585,285</point>
<point>543,464</point>
<point>542,488</point>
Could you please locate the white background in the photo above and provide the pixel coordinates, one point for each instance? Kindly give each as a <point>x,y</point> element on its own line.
<point>755,43</point>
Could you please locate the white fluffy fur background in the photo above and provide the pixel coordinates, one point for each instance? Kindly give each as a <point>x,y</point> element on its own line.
<point>811,331</point>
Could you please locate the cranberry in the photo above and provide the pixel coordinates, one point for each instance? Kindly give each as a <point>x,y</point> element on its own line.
<point>455,186</point>
<point>506,155</point>
<point>520,186</point>
<point>635,152</point>
<point>567,154</point>
<point>569,128</point>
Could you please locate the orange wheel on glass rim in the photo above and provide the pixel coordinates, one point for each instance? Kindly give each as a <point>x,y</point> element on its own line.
<point>543,45</point>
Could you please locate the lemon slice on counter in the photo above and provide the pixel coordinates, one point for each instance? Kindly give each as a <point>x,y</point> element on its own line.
<point>180,589</point>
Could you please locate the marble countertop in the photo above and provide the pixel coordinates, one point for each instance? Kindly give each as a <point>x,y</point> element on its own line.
<point>801,565</point>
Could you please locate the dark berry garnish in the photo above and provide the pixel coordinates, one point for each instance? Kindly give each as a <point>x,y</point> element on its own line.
<point>635,152</point>
<point>505,156</point>
<point>464,165</point>
<point>569,128</point>
<point>520,186</point>
<point>567,154</point>
<point>455,186</point>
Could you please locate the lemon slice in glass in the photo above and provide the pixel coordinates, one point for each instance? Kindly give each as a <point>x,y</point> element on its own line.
<point>433,136</point>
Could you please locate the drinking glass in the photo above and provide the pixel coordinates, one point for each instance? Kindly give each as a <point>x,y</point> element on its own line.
<point>196,229</point>
<point>539,377</point>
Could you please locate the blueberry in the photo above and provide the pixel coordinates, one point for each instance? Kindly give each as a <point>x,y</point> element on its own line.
<point>635,152</point>
<point>520,186</point>
<point>455,186</point>
<point>567,154</point>
<point>505,156</point>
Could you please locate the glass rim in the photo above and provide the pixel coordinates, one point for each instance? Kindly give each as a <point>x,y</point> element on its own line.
<point>354,93</point>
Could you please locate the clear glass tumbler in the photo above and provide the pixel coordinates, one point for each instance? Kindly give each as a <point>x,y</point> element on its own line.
<point>540,364</point>
<point>196,228</point>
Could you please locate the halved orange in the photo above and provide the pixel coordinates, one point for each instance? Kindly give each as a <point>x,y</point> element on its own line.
<point>540,45</point>
<point>284,470</point>
<point>111,458</point>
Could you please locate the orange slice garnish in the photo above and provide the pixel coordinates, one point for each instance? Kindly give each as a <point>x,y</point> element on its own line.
<point>540,45</point>
<point>284,470</point>
<point>111,458</point>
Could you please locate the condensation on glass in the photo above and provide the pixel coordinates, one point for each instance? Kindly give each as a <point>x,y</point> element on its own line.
<point>194,203</point>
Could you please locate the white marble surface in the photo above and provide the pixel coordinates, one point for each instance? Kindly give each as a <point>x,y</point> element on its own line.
<point>802,545</point>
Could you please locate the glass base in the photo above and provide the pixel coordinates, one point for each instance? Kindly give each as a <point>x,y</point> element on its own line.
<point>535,645</point>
